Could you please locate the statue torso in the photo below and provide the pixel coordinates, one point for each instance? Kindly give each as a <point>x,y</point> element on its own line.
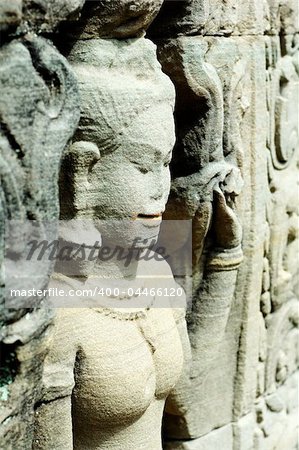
<point>122,366</point>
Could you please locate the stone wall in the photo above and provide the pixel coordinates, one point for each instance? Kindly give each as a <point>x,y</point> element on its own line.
<point>249,46</point>
<point>234,67</point>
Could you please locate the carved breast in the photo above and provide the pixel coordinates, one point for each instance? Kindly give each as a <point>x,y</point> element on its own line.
<point>122,366</point>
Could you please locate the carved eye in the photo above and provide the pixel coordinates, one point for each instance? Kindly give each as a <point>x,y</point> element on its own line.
<point>143,170</point>
<point>166,164</point>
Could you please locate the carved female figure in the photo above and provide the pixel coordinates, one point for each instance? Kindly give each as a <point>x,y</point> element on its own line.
<point>110,369</point>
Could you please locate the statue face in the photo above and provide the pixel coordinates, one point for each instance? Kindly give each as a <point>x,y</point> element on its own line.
<point>125,137</point>
<point>125,189</point>
<point>130,184</point>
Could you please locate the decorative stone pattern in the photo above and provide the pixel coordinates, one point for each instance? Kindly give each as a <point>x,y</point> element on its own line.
<point>39,111</point>
<point>278,367</point>
<point>258,77</point>
<point>204,191</point>
<point>234,68</point>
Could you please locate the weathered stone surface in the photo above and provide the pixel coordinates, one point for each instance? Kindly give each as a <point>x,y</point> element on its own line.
<point>279,304</point>
<point>43,16</point>
<point>39,111</point>
<point>235,69</point>
<point>115,19</point>
<point>283,17</point>
<point>10,14</point>
<point>104,18</point>
<point>214,81</point>
<point>29,188</point>
<point>215,17</point>
<point>279,363</point>
<point>244,432</point>
<point>40,16</point>
<point>221,439</point>
<point>278,417</point>
<point>207,17</point>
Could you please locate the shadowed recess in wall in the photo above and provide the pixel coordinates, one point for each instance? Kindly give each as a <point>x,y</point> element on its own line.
<point>9,366</point>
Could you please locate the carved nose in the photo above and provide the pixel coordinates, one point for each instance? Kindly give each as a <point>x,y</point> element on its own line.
<point>158,195</point>
<point>157,188</point>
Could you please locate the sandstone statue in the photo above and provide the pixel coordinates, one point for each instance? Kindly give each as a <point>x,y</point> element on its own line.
<point>101,358</point>
<point>110,367</point>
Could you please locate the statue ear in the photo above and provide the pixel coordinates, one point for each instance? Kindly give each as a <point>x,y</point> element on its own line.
<point>82,155</point>
<point>76,164</point>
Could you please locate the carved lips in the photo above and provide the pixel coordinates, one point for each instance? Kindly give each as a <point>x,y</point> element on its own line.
<point>150,220</point>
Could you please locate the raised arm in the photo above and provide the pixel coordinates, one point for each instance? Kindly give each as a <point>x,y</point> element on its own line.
<point>207,320</point>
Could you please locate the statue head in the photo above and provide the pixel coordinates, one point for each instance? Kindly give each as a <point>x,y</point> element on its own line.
<point>116,169</point>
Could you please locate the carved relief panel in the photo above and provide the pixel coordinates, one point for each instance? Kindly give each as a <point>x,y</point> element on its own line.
<point>279,355</point>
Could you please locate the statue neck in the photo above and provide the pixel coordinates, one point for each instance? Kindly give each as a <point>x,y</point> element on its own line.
<point>105,261</point>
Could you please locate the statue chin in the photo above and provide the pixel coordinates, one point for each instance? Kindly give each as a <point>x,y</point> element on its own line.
<point>129,234</point>
<point>139,234</point>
